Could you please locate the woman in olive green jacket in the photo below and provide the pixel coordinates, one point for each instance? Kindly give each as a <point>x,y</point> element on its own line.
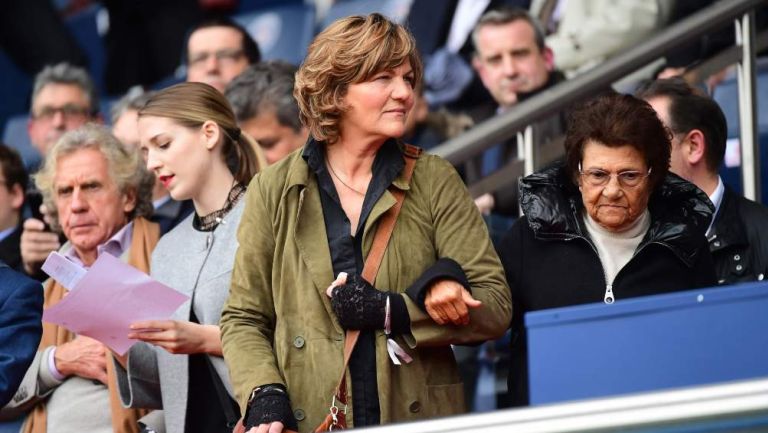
<point>314,214</point>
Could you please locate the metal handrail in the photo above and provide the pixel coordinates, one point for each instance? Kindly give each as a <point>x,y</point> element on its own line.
<point>724,58</point>
<point>550,101</point>
<point>745,78</point>
<point>732,403</point>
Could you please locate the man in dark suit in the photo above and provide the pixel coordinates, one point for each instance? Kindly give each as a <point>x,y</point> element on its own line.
<point>737,235</point>
<point>13,183</point>
<point>21,309</point>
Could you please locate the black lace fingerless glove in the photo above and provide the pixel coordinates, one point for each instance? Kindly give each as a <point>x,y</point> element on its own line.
<point>270,403</point>
<point>359,305</point>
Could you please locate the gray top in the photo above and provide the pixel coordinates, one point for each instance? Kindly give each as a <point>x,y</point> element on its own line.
<point>73,405</point>
<point>198,264</point>
<point>87,400</point>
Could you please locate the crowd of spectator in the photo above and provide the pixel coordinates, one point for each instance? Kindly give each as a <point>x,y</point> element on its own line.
<point>262,190</point>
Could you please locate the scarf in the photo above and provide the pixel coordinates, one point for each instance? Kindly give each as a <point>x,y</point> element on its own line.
<point>145,237</point>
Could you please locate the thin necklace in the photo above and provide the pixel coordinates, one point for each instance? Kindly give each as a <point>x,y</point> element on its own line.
<point>333,172</point>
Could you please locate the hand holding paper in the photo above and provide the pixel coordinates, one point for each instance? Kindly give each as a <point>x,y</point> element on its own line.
<point>179,337</point>
<point>108,299</point>
<point>67,274</point>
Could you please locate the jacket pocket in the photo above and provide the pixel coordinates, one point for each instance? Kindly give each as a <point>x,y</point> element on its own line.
<point>445,400</point>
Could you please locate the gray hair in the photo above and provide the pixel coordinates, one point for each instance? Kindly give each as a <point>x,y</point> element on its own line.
<point>64,73</point>
<point>266,86</point>
<point>506,15</point>
<point>134,100</point>
<point>126,168</point>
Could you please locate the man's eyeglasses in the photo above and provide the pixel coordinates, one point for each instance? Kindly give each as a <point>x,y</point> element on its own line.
<point>628,179</point>
<point>68,112</point>
<point>222,56</point>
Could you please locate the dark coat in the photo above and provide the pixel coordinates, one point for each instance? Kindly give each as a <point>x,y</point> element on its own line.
<point>21,309</point>
<point>171,213</point>
<point>551,262</point>
<point>10,251</point>
<point>549,129</point>
<point>739,241</point>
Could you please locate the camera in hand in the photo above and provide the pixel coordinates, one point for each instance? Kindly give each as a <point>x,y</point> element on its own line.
<point>34,199</point>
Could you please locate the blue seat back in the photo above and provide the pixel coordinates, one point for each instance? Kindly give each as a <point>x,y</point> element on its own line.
<point>15,135</point>
<point>727,96</point>
<point>248,6</point>
<point>84,26</point>
<point>396,10</point>
<point>15,88</point>
<point>283,33</point>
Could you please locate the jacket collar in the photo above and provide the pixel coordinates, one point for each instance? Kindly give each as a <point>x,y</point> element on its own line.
<point>554,77</point>
<point>310,235</point>
<point>390,156</point>
<point>551,204</point>
<point>680,212</point>
<point>725,233</point>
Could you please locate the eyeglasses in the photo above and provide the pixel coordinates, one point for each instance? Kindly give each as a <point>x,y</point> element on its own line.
<point>226,57</point>
<point>627,179</point>
<point>68,112</point>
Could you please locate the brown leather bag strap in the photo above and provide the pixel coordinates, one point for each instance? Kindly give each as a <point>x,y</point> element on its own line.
<point>376,254</point>
<point>386,226</point>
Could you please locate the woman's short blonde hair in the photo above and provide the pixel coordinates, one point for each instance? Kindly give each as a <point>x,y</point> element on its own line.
<point>126,168</point>
<point>349,51</point>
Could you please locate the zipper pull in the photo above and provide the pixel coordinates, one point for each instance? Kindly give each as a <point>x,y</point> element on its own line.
<point>608,299</point>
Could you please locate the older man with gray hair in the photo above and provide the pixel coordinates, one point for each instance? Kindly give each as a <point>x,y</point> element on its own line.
<point>63,98</point>
<point>99,193</point>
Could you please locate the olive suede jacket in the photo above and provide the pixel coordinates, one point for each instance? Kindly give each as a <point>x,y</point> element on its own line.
<point>278,325</point>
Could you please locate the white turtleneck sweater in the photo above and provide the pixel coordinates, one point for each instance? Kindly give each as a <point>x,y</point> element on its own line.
<point>616,248</point>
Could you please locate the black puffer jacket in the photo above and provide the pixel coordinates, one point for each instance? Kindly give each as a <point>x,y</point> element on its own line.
<point>739,242</point>
<point>551,262</point>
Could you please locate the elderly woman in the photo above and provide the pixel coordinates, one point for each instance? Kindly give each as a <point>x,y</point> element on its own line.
<point>99,193</point>
<point>612,223</point>
<point>314,214</point>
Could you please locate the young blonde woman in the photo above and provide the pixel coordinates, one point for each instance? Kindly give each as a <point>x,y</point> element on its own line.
<point>191,141</point>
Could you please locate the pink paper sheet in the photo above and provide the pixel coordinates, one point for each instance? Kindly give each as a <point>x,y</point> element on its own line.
<point>110,297</point>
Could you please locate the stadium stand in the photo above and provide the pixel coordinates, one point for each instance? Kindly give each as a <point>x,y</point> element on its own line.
<point>283,32</point>
<point>727,96</point>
